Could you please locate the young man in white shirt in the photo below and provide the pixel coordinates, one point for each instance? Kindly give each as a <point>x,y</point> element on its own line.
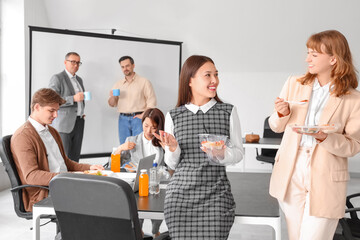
<point>37,148</point>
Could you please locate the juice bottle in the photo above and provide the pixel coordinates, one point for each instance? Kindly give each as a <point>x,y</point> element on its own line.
<point>143,183</point>
<point>115,161</point>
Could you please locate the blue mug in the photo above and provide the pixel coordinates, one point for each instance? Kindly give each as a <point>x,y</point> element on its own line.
<point>116,92</point>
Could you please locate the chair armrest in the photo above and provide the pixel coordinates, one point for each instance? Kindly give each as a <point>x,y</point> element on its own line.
<point>349,210</point>
<point>16,189</point>
<point>349,205</point>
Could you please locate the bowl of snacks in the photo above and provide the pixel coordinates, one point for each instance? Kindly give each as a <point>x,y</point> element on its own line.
<point>214,147</point>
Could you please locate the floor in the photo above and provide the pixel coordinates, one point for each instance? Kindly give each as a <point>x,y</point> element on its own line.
<point>14,228</point>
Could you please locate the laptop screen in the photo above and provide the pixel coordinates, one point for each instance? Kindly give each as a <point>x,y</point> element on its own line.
<point>144,163</point>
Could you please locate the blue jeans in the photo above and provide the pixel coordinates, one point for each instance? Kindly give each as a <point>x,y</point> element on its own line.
<point>129,126</point>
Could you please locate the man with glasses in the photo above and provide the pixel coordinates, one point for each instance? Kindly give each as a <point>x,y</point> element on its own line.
<point>70,121</point>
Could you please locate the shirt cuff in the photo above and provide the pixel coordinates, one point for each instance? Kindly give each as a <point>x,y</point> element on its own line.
<point>172,158</point>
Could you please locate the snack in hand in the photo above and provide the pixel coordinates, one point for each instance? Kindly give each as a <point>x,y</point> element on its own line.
<point>217,144</point>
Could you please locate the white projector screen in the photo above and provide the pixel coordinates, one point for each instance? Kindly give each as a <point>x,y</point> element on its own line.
<point>157,60</point>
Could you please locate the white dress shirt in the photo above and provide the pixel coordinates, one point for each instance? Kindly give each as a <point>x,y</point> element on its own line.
<point>233,154</point>
<point>149,149</point>
<point>319,97</point>
<point>55,159</point>
<point>77,87</point>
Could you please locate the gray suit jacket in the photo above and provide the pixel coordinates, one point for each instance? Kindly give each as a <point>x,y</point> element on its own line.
<point>67,113</point>
<point>137,153</point>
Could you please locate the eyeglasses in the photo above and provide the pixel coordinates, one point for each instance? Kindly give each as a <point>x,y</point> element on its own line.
<point>74,62</point>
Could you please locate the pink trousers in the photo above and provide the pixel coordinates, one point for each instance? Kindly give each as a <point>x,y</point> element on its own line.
<point>302,226</point>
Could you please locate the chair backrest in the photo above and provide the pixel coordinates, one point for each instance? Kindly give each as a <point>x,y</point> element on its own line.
<point>268,133</point>
<point>94,207</point>
<point>8,161</point>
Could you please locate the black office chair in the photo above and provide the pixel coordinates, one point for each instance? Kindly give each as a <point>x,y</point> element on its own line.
<point>16,185</point>
<point>94,207</point>
<point>268,155</point>
<point>349,227</point>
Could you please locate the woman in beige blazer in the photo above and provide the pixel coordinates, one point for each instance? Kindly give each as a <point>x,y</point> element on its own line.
<point>311,170</point>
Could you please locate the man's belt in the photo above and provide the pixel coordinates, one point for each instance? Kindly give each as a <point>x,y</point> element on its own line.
<point>130,114</point>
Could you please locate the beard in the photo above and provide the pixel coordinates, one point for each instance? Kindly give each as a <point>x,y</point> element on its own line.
<point>128,73</point>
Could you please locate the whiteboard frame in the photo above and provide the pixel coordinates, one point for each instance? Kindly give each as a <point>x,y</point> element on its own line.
<point>33,29</point>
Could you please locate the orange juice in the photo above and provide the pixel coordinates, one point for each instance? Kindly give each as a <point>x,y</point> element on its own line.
<point>144,183</point>
<point>115,162</point>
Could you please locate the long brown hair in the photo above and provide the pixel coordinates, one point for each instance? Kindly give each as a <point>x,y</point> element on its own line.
<point>189,69</point>
<point>158,119</point>
<point>343,73</point>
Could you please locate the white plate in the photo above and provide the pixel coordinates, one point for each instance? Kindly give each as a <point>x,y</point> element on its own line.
<point>295,102</point>
<point>328,128</point>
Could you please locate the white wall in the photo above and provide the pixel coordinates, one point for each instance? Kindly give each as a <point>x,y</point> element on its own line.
<point>12,65</point>
<point>1,20</point>
<point>15,17</point>
<point>255,44</point>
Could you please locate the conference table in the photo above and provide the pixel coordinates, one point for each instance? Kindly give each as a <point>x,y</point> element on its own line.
<point>270,143</point>
<point>254,205</point>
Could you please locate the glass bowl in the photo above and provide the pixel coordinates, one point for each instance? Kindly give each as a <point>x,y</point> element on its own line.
<point>214,145</point>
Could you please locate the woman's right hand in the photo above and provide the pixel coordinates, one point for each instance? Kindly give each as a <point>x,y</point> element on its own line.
<point>282,107</point>
<point>125,146</point>
<point>167,139</point>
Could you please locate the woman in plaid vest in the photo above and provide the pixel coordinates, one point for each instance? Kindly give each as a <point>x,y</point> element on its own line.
<point>199,203</point>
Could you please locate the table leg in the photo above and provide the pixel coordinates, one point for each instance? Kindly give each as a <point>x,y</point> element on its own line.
<point>36,225</point>
<point>277,228</point>
<point>274,222</point>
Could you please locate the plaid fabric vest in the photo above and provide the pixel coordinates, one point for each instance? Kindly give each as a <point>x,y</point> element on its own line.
<point>199,203</point>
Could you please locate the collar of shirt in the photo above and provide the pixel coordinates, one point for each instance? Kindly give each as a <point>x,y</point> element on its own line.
<point>145,140</point>
<point>204,108</point>
<point>126,80</point>
<point>317,86</point>
<point>38,126</point>
<point>69,74</point>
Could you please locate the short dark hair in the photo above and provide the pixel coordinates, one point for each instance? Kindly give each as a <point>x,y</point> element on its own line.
<point>45,97</point>
<point>157,117</point>
<point>71,53</point>
<point>123,58</point>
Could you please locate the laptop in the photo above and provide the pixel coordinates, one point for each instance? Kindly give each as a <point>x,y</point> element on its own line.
<point>144,163</point>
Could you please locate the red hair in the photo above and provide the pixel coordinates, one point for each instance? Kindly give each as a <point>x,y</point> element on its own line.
<point>343,74</point>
